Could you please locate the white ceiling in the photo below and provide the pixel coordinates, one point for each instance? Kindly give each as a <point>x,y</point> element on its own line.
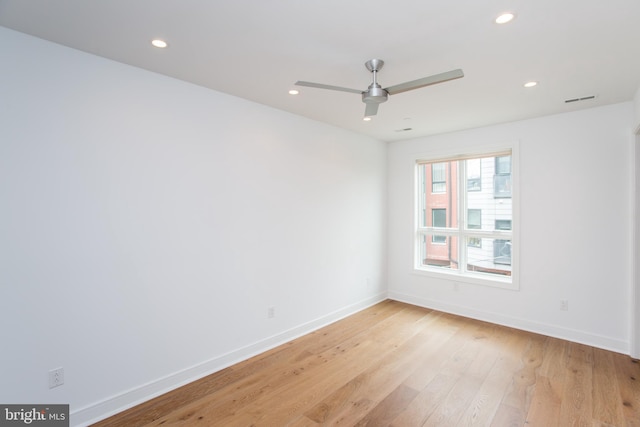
<point>257,49</point>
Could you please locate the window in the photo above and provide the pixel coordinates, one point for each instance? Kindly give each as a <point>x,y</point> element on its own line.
<point>502,177</point>
<point>474,181</point>
<point>462,228</point>
<point>502,252</point>
<point>474,219</point>
<point>503,224</point>
<point>503,165</point>
<point>502,248</point>
<point>438,179</point>
<point>438,219</point>
<point>474,222</point>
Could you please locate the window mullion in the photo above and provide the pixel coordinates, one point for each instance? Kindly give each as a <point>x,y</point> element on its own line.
<point>462,216</point>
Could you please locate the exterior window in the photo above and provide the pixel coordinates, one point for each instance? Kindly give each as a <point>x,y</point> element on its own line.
<point>462,228</point>
<point>502,248</point>
<point>502,252</point>
<point>503,165</point>
<point>438,178</point>
<point>502,177</point>
<point>439,219</point>
<point>503,224</point>
<point>474,222</point>
<point>474,219</point>
<point>474,182</point>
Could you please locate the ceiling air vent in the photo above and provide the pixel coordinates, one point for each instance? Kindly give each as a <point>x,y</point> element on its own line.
<point>584,98</point>
<point>404,130</point>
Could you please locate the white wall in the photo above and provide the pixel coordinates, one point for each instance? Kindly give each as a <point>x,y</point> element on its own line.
<point>635,254</point>
<point>575,215</point>
<point>148,224</point>
<point>636,103</point>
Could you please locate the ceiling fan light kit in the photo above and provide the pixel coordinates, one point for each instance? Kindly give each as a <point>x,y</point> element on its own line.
<point>376,94</point>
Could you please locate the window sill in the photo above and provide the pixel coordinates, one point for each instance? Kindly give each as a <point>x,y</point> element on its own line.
<point>509,283</point>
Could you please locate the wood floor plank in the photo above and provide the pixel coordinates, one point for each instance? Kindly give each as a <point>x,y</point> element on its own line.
<point>384,412</point>
<point>545,405</point>
<point>469,351</point>
<point>510,364</point>
<point>450,410</point>
<point>605,391</point>
<point>332,335</point>
<point>302,421</point>
<point>426,402</point>
<point>349,355</point>
<point>166,404</point>
<point>577,405</point>
<point>351,402</point>
<point>627,372</point>
<point>394,364</point>
<point>520,394</point>
<point>394,332</point>
<point>473,364</point>
<point>507,416</point>
<point>440,347</point>
<point>487,400</point>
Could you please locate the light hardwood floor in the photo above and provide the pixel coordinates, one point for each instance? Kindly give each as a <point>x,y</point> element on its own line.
<point>395,364</point>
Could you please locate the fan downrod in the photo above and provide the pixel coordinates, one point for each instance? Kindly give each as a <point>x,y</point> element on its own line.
<point>374,94</point>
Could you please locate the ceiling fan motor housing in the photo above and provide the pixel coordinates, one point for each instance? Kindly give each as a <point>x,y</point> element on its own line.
<point>375,95</point>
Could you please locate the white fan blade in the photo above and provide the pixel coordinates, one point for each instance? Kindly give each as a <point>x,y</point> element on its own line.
<point>426,81</point>
<point>323,86</point>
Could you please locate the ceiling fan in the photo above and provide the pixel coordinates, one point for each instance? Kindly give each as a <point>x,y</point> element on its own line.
<point>376,95</point>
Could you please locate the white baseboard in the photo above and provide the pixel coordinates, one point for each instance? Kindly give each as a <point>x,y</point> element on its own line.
<point>113,405</point>
<point>581,337</point>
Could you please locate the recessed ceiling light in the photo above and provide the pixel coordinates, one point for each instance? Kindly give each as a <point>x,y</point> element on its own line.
<point>505,17</point>
<point>367,119</point>
<point>531,84</point>
<point>294,92</point>
<point>159,43</point>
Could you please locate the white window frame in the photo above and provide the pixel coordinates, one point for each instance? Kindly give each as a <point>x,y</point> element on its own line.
<point>486,279</point>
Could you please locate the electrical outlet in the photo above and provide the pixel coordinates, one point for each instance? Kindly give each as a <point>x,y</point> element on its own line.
<point>56,377</point>
<point>564,305</point>
<point>271,312</point>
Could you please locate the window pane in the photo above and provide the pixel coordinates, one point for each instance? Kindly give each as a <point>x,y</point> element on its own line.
<point>493,256</point>
<point>503,224</point>
<point>474,219</point>
<point>439,200</point>
<point>421,200</point>
<point>475,242</point>
<point>502,178</point>
<point>503,165</point>
<point>502,186</point>
<point>474,181</point>
<point>502,251</point>
<point>438,178</point>
<point>491,207</point>
<point>442,254</point>
<point>438,219</point>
